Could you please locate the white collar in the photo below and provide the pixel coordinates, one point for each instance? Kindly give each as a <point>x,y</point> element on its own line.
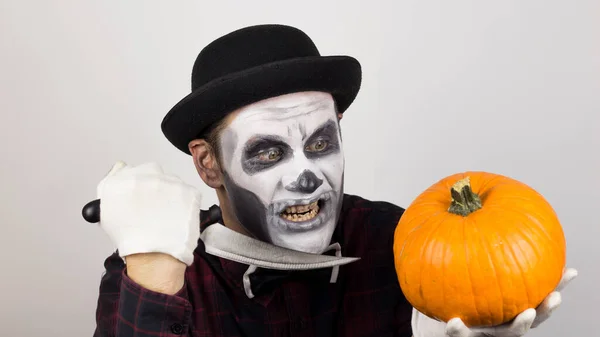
<point>228,244</point>
<point>225,243</point>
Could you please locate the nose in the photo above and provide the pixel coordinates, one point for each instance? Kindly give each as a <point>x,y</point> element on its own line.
<point>307,182</point>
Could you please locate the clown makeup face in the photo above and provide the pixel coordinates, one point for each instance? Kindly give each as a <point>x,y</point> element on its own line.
<point>283,166</point>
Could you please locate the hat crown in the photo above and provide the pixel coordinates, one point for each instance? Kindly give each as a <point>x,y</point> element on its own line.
<point>250,47</point>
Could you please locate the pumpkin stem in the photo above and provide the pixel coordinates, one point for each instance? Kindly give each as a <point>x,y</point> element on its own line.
<point>464,201</point>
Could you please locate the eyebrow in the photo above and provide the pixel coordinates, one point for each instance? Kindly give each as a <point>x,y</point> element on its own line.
<point>329,127</point>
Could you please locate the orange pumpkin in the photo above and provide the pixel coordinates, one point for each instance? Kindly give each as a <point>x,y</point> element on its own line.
<point>478,246</point>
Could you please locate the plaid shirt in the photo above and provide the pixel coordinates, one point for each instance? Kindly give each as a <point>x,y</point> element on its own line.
<point>365,301</point>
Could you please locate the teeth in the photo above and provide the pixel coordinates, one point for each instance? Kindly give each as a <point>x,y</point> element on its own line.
<point>301,208</point>
<point>292,213</point>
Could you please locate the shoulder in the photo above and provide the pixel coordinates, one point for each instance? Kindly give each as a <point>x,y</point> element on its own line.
<point>368,224</point>
<point>369,215</point>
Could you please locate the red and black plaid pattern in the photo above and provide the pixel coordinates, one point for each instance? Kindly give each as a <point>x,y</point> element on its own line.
<point>365,301</point>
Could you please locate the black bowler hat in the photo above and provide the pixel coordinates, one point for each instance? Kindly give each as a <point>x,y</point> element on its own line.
<point>252,64</point>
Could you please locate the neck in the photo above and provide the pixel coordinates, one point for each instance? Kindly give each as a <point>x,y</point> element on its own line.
<point>229,220</point>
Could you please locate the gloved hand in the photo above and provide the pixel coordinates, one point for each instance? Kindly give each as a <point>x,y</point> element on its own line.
<point>424,326</point>
<point>144,210</point>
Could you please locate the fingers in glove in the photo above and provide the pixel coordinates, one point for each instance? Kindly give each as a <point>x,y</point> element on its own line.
<point>553,301</point>
<point>131,172</point>
<point>517,328</point>
<point>567,277</point>
<point>118,166</point>
<point>456,328</point>
<point>521,324</point>
<point>544,310</point>
<point>424,326</point>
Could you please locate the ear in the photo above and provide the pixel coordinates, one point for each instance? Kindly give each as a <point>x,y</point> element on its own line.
<point>206,163</point>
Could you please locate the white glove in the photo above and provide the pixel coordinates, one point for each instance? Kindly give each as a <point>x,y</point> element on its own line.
<point>424,326</point>
<point>144,210</point>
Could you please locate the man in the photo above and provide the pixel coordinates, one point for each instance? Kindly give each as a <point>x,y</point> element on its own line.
<point>291,254</point>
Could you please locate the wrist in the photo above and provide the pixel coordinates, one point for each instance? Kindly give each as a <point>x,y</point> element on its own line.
<point>156,272</point>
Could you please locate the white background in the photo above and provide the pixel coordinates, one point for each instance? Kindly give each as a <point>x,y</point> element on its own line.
<point>511,87</point>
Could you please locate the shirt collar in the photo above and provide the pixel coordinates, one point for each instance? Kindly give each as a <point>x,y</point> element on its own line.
<point>251,253</point>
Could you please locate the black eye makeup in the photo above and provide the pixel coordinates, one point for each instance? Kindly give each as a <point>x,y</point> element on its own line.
<point>323,141</point>
<point>265,151</point>
<point>262,152</point>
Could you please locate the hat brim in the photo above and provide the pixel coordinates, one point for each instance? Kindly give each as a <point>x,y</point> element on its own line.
<point>191,117</point>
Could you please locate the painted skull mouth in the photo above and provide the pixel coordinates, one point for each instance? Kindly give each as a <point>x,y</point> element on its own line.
<point>298,215</point>
<point>301,213</point>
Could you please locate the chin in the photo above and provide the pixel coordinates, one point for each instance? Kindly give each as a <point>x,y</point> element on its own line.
<point>314,241</point>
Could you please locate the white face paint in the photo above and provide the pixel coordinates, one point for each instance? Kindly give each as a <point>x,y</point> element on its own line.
<point>284,168</point>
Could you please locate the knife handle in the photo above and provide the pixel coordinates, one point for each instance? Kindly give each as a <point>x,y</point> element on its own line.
<point>91,214</point>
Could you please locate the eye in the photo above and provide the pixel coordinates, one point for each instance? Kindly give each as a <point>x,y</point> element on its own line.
<point>270,155</point>
<point>317,146</point>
